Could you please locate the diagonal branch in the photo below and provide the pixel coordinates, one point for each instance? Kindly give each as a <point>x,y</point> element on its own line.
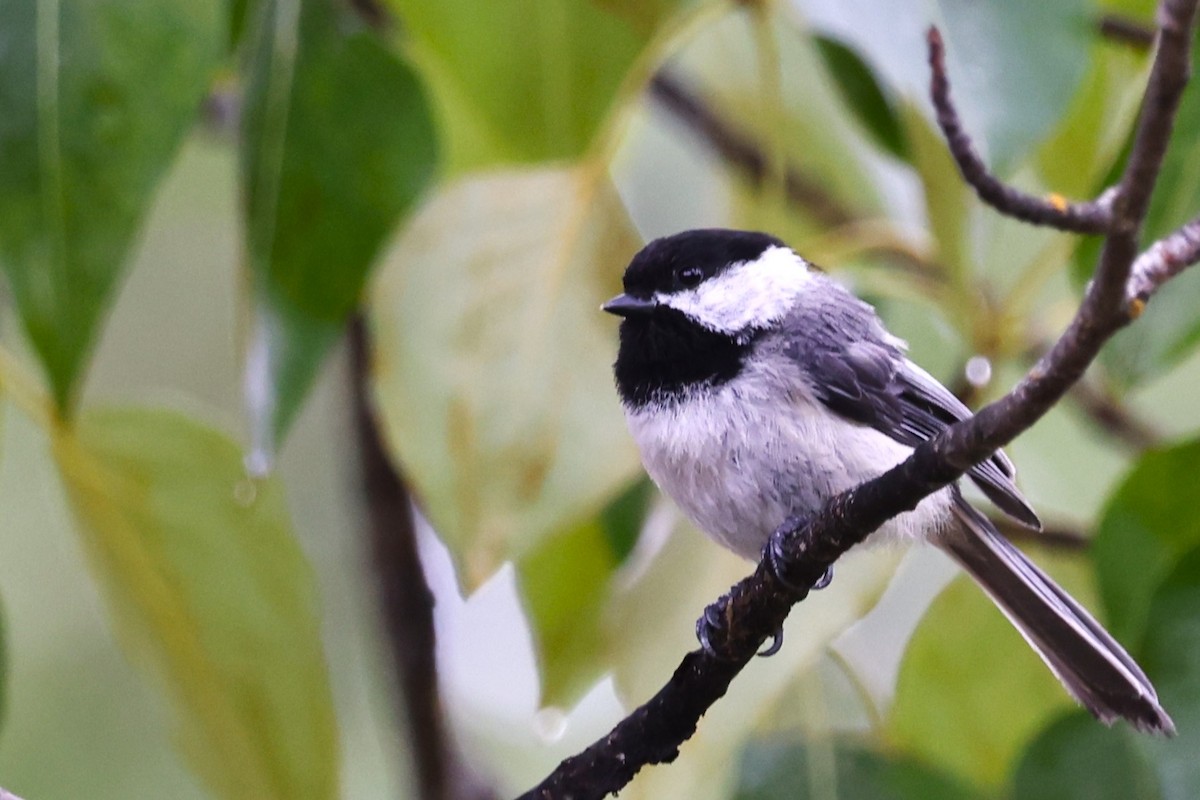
<point>756,606</point>
<point>404,596</point>
<point>745,155</point>
<point>1091,217</point>
<point>742,151</point>
<point>1114,418</point>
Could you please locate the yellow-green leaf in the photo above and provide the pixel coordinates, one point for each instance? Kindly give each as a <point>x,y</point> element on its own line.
<point>3,668</point>
<point>209,588</point>
<point>971,692</point>
<point>523,80</point>
<point>565,587</point>
<point>493,359</point>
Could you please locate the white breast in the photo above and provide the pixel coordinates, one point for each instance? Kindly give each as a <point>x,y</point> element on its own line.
<point>741,458</point>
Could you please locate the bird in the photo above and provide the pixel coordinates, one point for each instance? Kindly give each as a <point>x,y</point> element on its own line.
<point>756,387</point>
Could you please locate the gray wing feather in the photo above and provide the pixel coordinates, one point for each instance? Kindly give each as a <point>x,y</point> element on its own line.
<point>859,372</point>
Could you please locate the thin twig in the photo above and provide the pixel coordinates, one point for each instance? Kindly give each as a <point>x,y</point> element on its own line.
<point>1126,30</point>
<point>756,607</point>
<point>1165,259</point>
<point>1090,217</point>
<point>1113,418</point>
<point>1055,536</point>
<point>405,598</point>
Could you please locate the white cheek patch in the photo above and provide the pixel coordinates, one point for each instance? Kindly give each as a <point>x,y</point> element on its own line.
<point>746,295</point>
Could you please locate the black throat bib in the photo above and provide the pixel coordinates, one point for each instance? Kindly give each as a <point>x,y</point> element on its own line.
<point>665,356</point>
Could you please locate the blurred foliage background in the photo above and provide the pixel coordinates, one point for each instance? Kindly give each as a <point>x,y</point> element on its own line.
<point>196,197</point>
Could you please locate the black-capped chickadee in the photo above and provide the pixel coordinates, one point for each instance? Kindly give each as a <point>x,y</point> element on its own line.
<point>757,388</point>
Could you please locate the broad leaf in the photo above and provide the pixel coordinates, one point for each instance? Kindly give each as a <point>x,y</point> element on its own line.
<point>1013,65</point>
<point>948,200</point>
<point>1077,758</point>
<point>1171,656</point>
<point>970,691</point>
<point>1089,137</point>
<point>1149,523</point>
<point>811,125</point>
<point>567,586</point>
<point>524,81</point>
<point>873,107</point>
<point>338,142</point>
<point>828,769</point>
<point>493,364</point>
<point>208,586</point>
<point>3,668</point>
<point>96,96</point>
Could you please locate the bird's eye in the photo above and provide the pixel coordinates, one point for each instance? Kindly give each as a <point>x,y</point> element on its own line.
<point>690,277</point>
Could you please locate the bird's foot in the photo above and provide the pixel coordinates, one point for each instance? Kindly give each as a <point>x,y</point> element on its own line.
<point>713,626</point>
<point>780,562</point>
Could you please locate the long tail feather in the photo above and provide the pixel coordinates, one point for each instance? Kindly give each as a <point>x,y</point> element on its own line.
<point>1092,666</point>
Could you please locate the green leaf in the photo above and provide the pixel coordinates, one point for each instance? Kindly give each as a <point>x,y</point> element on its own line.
<point>863,95</point>
<point>566,585</point>
<point>338,142</point>
<point>948,199</point>
<point>970,691</point>
<point>1171,656</point>
<point>811,125</point>
<point>527,80</point>
<point>1014,65</point>
<point>621,520</point>
<point>97,97</point>
<point>1149,523</point>
<point>209,588</point>
<point>493,359</point>
<point>796,770</point>
<point>1088,140</point>
<point>644,15</point>
<point>3,668</point>
<point>1077,758</point>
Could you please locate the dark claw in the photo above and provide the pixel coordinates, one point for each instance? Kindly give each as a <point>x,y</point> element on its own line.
<point>777,559</point>
<point>824,580</point>
<point>776,644</point>
<point>709,622</point>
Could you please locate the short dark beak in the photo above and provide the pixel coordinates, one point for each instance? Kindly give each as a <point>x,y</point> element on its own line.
<point>624,305</point>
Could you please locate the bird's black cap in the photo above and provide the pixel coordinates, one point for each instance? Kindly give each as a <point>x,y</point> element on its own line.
<point>657,266</point>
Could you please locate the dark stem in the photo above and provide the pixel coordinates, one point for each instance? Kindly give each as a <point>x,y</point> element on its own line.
<point>756,606</point>
<point>1114,418</point>
<point>742,151</point>
<point>405,599</point>
<point>1126,30</point>
<point>1053,536</point>
<point>744,154</point>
